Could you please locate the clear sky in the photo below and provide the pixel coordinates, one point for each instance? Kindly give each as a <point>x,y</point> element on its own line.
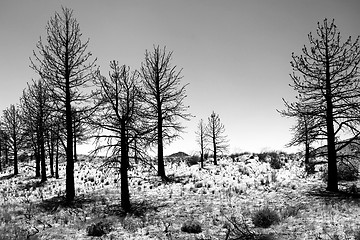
<point>235,54</point>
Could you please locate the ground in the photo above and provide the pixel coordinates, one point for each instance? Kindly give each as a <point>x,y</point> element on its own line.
<point>211,196</point>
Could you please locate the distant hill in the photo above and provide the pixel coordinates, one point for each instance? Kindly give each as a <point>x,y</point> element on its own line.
<point>178,155</point>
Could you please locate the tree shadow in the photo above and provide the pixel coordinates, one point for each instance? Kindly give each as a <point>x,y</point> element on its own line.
<point>348,194</point>
<point>56,203</point>
<point>137,209</point>
<point>7,177</point>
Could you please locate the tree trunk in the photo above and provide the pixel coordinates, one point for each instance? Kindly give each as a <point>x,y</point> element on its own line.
<point>214,144</point>
<point>57,159</point>
<point>161,166</point>
<point>70,184</point>
<point>42,147</point>
<point>50,146</point>
<point>1,155</point>
<point>332,184</point>
<point>75,152</point>
<point>6,154</point>
<point>16,169</point>
<point>42,158</point>
<point>125,195</point>
<point>37,161</point>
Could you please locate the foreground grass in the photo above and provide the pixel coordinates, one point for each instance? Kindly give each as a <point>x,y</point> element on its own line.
<point>222,200</point>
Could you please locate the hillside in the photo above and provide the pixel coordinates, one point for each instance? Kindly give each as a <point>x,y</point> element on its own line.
<point>215,198</point>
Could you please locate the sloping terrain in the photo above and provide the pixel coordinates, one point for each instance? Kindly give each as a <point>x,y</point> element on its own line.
<point>214,198</point>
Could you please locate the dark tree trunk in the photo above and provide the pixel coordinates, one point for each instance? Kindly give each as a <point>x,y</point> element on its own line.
<point>161,165</point>
<point>75,153</point>
<point>42,148</point>
<point>6,154</point>
<point>332,184</point>
<point>16,168</point>
<point>57,159</point>
<point>214,144</point>
<point>70,184</point>
<point>43,158</point>
<point>0,156</point>
<point>308,168</point>
<point>125,195</point>
<point>37,161</point>
<point>50,147</point>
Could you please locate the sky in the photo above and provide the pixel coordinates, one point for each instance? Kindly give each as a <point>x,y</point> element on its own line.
<point>234,54</point>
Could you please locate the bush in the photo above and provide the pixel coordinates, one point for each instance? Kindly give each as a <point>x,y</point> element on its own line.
<point>275,161</point>
<point>193,160</point>
<point>240,230</point>
<point>357,234</point>
<point>191,226</point>
<point>265,217</point>
<point>235,156</point>
<point>347,171</point>
<point>98,229</point>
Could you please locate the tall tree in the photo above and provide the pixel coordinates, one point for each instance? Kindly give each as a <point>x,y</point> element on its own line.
<point>36,113</point>
<point>201,139</point>
<point>117,121</point>
<point>12,127</point>
<point>63,63</point>
<point>164,97</point>
<point>215,133</point>
<point>328,88</point>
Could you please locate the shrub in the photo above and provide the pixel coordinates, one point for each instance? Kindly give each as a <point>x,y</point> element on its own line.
<point>193,160</point>
<point>98,229</point>
<point>357,234</point>
<point>191,226</point>
<point>265,217</point>
<point>347,171</point>
<point>275,161</point>
<point>241,230</point>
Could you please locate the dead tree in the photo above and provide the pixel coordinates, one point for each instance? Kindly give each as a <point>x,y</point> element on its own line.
<point>117,122</point>
<point>202,140</point>
<point>63,63</point>
<point>215,133</point>
<point>326,79</point>
<point>12,127</point>
<point>164,97</point>
<point>35,114</point>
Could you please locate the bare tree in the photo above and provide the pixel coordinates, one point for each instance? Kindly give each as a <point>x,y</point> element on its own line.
<point>35,115</point>
<point>215,133</point>
<point>164,97</point>
<point>12,127</point>
<point>328,88</point>
<point>2,147</point>
<point>202,140</point>
<point>62,63</point>
<point>117,121</point>
<point>306,131</point>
